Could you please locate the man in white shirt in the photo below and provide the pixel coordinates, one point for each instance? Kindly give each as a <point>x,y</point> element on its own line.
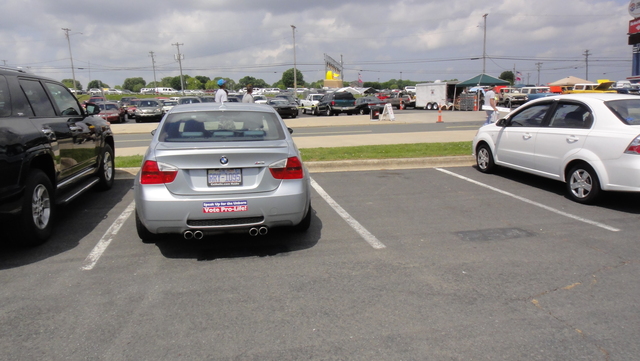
<point>490,97</point>
<point>248,97</point>
<point>221,94</point>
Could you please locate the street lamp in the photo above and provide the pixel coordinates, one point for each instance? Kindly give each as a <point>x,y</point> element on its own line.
<point>295,71</point>
<point>73,73</point>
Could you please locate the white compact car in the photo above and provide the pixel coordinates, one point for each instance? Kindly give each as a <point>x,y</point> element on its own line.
<point>589,141</point>
<point>221,167</point>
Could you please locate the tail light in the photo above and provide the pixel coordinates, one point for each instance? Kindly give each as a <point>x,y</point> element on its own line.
<point>153,172</point>
<point>290,168</point>
<point>634,147</point>
<point>333,103</point>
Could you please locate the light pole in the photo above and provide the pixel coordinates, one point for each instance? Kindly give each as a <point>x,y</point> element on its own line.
<point>484,44</point>
<point>295,70</point>
<point>73,72</point>
<point>179,57</point>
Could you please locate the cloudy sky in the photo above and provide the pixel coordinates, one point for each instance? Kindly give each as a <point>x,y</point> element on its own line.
<point>417,40</point>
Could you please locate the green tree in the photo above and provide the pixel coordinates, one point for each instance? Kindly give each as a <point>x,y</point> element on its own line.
<point>193,84</point>
<point>69,84</point>
<point>203,80</point>
<point>372,84</point>
<point>175,82</point>
<point>287,78</point>
<point>97,84</point>
<point>508,76</point>
<point>211,85</point>
<point>166,81</point>
<point>130,83</point>
<point>257,83</point>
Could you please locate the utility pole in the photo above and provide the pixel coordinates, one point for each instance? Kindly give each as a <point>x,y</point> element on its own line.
<point>295,70</point>
<point>484,44</point>
<point>73,73</point>
<point>586,59</point>
<point>179,57</point>
<point>153,64</point>
<point>539,65</point>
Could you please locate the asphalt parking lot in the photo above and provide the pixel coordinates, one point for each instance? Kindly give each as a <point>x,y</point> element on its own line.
<point>417,264</point>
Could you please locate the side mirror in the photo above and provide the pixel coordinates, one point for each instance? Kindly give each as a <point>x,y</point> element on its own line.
<point>92,109</point>
<point>290,130</point>
<point>153,132</point>
<point>502,122</point>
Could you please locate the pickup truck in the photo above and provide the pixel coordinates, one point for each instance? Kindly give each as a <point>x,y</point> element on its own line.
<point>536,92</point>
<point>395,99</point>
<point>309,103</point>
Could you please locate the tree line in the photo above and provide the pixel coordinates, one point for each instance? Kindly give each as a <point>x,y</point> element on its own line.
<point>200,82</point>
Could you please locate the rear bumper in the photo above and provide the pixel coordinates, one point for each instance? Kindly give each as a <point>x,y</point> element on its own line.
<point>163,212</point>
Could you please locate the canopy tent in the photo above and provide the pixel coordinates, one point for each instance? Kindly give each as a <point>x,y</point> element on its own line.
<point>569,81</point>
<point>482,80</point>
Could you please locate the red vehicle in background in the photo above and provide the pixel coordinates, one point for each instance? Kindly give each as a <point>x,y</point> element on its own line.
<point>111,112</point>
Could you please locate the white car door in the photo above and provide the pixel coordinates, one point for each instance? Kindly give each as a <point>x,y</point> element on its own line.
<point>515,143</point>
<point>565,135</point>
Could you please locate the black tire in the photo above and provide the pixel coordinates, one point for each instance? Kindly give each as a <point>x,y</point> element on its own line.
<point>328,112</point>
<point>294,115</point>
<point>429,106</point>
<point>316,112</point>
<point>484,159</point>
<point>583,185</point>
<point>137,120</point>
<point>38,209</point>
<point>107,169</point>
<point>304,225</point>
<point>143,232</point>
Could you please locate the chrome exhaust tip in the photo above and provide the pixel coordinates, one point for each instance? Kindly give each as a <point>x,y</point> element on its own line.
<point>198,234</point>
<point>253,232</point>
<point>263,230</point>
<point>188,234</point>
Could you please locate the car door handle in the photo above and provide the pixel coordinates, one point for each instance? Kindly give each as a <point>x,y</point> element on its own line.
<point>572,139</point>
<point>75,129</point>
<point>526,136</point>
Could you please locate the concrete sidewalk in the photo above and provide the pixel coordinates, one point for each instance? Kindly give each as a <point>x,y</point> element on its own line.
<point>449,119</point>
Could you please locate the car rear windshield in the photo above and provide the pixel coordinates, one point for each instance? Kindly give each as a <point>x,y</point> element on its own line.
<point>218,126</point>
<point>627,110</point>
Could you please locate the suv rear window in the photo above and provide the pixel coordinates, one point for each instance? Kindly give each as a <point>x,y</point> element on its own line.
<point>344,95</point>
<point>217,126</point>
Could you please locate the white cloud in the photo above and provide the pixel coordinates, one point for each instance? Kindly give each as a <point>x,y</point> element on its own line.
<point>418,40</point>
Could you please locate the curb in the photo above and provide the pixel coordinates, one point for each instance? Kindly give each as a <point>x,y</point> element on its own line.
<point>359,165</point>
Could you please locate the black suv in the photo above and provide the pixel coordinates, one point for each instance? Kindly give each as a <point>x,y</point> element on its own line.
<point>51,150</point>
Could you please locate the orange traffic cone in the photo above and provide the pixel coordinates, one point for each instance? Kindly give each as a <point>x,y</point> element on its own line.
<point>401,106</point>
<point>439,115</point>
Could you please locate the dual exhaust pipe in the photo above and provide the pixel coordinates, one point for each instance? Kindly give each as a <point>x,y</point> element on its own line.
<point>196,234</point>
<point>254,231</point>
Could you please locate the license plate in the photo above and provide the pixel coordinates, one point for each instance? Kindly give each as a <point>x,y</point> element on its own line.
<point>224,177</point>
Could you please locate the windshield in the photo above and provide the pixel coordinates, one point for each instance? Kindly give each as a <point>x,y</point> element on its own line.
<point>147,103</point>
<point>218,126</point>
<point>627,110</point>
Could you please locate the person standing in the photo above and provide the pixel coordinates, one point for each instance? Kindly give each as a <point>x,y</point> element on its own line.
<point>490,97</point>
<point>221,94</point>
<point>248,96</point>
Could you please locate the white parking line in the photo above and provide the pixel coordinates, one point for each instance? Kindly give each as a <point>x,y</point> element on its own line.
<point>106,239</point>
<point>370,238</point>
<point>568,215</point>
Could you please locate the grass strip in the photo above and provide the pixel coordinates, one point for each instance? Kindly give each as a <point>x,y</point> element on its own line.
<point>416,150</point>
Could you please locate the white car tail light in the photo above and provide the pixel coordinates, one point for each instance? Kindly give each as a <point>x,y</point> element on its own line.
<point>634,147</point>
<point>153,172</point>
<point>290,168</point>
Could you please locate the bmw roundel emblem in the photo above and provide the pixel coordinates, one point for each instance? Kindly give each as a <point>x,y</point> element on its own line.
<point>224,160</point>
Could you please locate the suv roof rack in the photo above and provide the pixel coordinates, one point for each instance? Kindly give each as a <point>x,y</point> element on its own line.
<point>14,68</point>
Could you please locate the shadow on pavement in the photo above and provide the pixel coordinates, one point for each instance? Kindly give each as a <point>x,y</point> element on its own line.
<point>74,221</point>
<point>278,242</point>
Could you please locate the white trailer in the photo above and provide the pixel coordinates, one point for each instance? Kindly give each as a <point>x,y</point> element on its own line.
<point>430,96</point>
